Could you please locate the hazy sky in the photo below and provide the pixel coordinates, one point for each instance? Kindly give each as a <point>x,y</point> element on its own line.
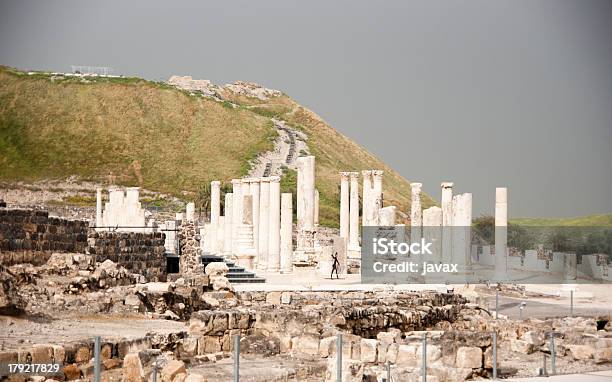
<point>484,93</point>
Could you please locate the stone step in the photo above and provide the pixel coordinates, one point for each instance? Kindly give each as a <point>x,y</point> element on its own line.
<point>236,273</point>
<point>247,280</point>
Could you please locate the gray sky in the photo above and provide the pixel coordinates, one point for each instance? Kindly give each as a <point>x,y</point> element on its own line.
<point>483,93</point>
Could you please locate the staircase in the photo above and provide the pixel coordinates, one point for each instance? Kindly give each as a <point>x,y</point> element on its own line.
<point>236,274</point>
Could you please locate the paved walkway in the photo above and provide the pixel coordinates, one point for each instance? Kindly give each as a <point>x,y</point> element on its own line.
<point>595,376</point>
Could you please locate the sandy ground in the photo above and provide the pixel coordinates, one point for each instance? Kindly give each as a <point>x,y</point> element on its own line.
<point>15,332</point>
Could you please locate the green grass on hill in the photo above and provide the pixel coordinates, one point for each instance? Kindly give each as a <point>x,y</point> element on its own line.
<point>131,131</point>
<point>580,221</point>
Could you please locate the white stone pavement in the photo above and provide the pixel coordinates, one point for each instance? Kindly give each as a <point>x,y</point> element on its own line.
<point>594,376</point>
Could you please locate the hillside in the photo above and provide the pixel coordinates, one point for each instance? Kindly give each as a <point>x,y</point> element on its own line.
<point>580,221</point>
<point>131,131</point>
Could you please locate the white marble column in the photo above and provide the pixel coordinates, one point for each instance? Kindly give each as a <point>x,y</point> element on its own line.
<point>377,197</point>
<point>246,254</point>
<point>306,190</point>
<point>416,212</point>
<point>274,226</point>
<point>461,229</point>
<point>447,221</point>
<point>367,205</point>
<point>220,231</point>
<point>264,221</point>
<point>236,211</point>
<point>353,245</point>
<point>344,205</point>
<point>501,234</point>
<point>432,232</point>
<point>286,233</point>
<point>215,212</point>
<point>299,194</point>
<point>316,208</point>
<point>190,211</point>
<point>98,208</point>
<point>228,230</point>
<point>254,189</point>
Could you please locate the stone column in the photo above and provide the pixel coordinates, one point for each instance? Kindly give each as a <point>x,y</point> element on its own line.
<point>306,190</point>
<point>264,221</point>
<point>245,255</point>
<point>461,230</point>
<point>254,189</point>
<point>416,213</point>
<point>305,249</point>
<point>377,197</point>
<point>366,209</point>
<point>432,232</point>
<point>344,205</point>
<point>236,211</point>
<point>387,216</point>
<point>286,233</point>
<point>447,220</point>
<point>274,226</point>
<point>353,245</point>
<point>299,196</point>
<point>98,208</point>
<point>501,234</point>
<point>221,236</point>
<point>215,212</point>
<point>190,211</point>
<point>228,230</point>
<point>316,208</point>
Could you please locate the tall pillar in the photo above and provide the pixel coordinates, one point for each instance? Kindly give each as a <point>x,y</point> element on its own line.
<point>99,208</point>
<point>316,208</point>
<point>190,211</point>
<point>228,230</point>
<point>377,197</point>
<point>236,211</point>
<point>264,221</point>
<point>220,231</point>
<point>299,194</point>
<point>353,245</point>
<point>447,220</point>
<point>416,213</point>
<point>461,229</point>
<point>432,232</point>
<point>367,205</point>
<point>501,234</point>
<point>305,249</point>
<point>245,254</point>
<point>306,190</point>
<point>215,212</point>
<point>254,189</point>
<point>286,233</point>
<point>344,205</point>
<point>274,226</point>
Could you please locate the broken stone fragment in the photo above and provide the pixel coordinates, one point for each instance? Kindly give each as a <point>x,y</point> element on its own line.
<point>172,369</point>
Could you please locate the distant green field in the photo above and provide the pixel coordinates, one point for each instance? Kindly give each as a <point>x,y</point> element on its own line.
<point>580,221</point>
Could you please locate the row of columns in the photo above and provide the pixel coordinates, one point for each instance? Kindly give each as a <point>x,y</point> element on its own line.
<point>349,207</point>
<point>251,226</point>
<point>123,210</point>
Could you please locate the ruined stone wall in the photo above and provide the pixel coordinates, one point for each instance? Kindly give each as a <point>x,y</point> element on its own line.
<point>138,252</point>
<point>30,236</point>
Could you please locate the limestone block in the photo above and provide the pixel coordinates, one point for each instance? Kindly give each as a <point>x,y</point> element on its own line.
<point>194,378</point>
<point>392,353</point>
<point>180,377</point>
<point>308,344</point>
<point>368,350</point>
<point>132,368</point>
<point>42,353</point>
<point>286,298</point>
<point>208,345</point>
<point>533,337</point>
<point>216,269</point>
<point>273,298</point>
<point>352,371</point>
<point>581,352</point>
<point>325,346</point>
<point>488,358</point>
<point>172,369</point>
<point>188,347</point>
<point>72,372</point>
<point>521,346</point>
<point>469,357</point>
<point>406,355</point>
<point>603,355</point>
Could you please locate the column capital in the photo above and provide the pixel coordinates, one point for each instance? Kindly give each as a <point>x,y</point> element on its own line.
<point>236,181</point>
<point>354,175</point>
<point>215,183</point>
<point>366,173</point>
<point>417,186</point>
<point>344,175</point>
<point>447,184</point>
<point>377,173</point>
<point>274,179</point>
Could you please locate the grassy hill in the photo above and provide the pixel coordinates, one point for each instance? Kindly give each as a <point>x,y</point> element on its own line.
<point>580,221</point>
<point>131,131</point>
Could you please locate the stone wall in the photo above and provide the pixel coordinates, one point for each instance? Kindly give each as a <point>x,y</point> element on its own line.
<point>30,236</point>
<point>142,253</point>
